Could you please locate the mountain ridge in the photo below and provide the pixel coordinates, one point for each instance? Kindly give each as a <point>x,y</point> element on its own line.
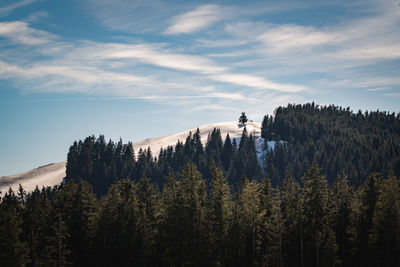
<point>52,174</point>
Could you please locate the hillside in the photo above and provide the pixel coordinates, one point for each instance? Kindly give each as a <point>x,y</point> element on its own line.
<point>231,127</point>
<point>48,175</point>
<point>53,174</point>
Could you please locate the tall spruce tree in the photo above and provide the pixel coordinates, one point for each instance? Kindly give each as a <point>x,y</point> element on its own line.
<point>292,215</point>
<point>320,243</point>
<point>117,234</point>
<point>219,216</point>
<point>384,237</point>
<point>13,249</point>
<point>342,198</point>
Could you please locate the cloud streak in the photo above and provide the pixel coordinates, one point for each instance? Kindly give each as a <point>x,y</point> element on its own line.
<point>19,32</point>
<point>193,21</point>
<point>9,8</point>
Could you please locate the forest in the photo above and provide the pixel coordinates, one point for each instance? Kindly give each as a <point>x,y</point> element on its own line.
<point>327,195</point>
<point>195,223</point>
<point>333,137</point>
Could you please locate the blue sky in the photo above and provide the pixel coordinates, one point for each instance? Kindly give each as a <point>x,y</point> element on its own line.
<point>138,69</point>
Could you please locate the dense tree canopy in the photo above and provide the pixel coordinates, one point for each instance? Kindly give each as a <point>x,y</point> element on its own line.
<point>196,222</point>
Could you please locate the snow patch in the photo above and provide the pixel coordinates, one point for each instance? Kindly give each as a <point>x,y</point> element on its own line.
<point>48,175</point>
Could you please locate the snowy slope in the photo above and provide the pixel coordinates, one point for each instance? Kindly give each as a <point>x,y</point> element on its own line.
<point>53,174</point>
<point>234,130</point>
<point>48,175</point>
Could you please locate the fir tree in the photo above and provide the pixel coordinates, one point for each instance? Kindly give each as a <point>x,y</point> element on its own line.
<point>243,118</point>
<point>220,216</point>
<point>320,243</point>
<point>13,250</point>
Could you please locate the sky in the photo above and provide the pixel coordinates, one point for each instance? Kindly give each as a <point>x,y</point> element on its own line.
<point>139,68</point>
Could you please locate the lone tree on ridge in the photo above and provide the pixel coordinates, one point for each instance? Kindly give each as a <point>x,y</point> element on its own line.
<point>243,118</point>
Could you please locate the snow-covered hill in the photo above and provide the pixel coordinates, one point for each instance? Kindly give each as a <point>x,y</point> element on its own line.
<point>53,174</point>
<point>233,128</point>
<point>48,175</point>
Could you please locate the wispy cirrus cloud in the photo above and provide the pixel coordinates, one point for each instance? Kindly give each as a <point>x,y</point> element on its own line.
<point>20,32</point>
<point>258,82</point>
<point>192,21</point>
<point>4,10</point>
<point>36,16</point>
<point>284,38</point>
<point>153,55</point>
<point>126,70</point>
<point>393,94</point>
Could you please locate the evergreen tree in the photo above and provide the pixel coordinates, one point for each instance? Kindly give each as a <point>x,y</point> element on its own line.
<point>292,215</point>
<point>243,118</point>
<point>117,232</point>
<point>214,147</point>
<point>37,227</point>
<point>320,244</point>
<point>220,216</point>
<point>363,208</point>
<point>149,212</point>
<point>78,205</point>
<point>342,199</point>
<point>384,237</point>
<point>244,230</point>
<point>227,153</point>
<point>58,241</point>
<point>185,220</point>
<point>13,250</point>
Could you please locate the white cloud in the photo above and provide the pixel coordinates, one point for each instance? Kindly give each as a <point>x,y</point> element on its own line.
<point>392,94</point>
<point>132,16</point>
<point>19,32</point>
<point>183,62</point>
<point>192,21</point>
<point>377,89</point>
<point>7,9</point>
<point>283,38</point>
<point>36,16</point>
<point>258,82</point>
<point>220,43</point>
<point>152,55</point>
<point>125,70</point>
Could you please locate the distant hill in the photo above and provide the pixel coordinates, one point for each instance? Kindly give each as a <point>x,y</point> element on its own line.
<point>48,175</point>
<point>53,174</point>
<point>335,138</point>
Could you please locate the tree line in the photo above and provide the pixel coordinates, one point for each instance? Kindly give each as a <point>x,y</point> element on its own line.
<point>333,137</point>
<point>101,163</point>
<point>192,221</point>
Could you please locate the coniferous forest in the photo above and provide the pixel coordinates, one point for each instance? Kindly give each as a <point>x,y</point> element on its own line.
<point>328,194</point>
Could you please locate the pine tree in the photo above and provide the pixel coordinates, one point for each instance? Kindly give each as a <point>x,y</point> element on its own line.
<point>184,226</point>
<point>227,153</point>
<point>292,212</point>
<point>59,248</point>
<point>384,237</point>
<point>246,218</point>
<point>214,147</point>
<point>243,118</point>
<point>37,219</point>
<point>342,199</point>
<point>117,232</point>
<point>219,216</point>
<point>13,250</point>
<point>320,243</point>
<point>148,222</point>
<point>78,205</point>
<point>363,208</point>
